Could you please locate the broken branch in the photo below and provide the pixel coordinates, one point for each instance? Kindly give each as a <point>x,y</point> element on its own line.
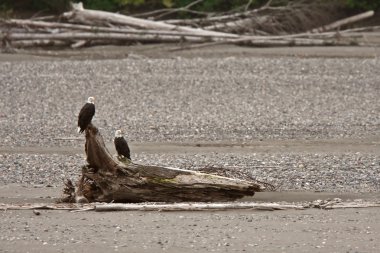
<point>343,22</point>
<point>195,207</point>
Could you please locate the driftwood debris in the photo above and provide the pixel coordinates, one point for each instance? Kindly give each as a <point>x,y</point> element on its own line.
<point>261,27</point>
<point>194,206</point>
<point>343,22</point>
<point>107,179</point>
<point>81,15</point>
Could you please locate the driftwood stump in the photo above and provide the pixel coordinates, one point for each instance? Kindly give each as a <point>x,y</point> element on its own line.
<point>109,179</point>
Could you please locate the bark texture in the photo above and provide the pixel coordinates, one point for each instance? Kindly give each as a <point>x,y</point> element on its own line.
<point>107,179</point>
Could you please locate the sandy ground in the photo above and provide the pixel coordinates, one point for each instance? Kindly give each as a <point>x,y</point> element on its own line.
<point>238,231</point>
<point>165,51</point>
<point>312,230</point>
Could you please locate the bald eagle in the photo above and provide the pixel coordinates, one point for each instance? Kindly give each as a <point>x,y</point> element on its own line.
<point>121,145</point>
<point>86,114</point>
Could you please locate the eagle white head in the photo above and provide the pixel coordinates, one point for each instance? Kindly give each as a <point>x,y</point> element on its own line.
<point>91,100</point>
<point>118,133</point>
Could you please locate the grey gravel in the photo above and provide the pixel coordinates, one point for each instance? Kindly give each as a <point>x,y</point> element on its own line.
<point>197,100</point>
<point>39,170</point>
<point>234,99</point>
<point>289,172</point>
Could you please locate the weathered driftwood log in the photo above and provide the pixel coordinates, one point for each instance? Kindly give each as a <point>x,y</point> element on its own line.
<point>343,22</point>
<point>283,17</point>
<point>262,42</point>
<point>39,43</point>
<point>107,179</point>
<point>98,29</point>
<point>196,207</point>
<point>98,36</point>
<point>92,17</point>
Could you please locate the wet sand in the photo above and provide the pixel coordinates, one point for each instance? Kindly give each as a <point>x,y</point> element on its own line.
<point>311,230</point>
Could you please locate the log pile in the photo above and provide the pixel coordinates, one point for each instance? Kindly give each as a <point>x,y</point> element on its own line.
<point>265,26</point>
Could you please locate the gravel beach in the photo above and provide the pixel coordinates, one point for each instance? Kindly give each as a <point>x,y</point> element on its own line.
<point>187,100</point>
<point>305,124</point>
<point>246,102</point>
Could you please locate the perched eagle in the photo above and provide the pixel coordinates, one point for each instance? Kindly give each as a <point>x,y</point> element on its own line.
<point>86,114</point>
<point>121,145</point>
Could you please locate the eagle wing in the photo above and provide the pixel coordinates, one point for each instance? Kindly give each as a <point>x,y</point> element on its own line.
<point>85,116</point>
<point>122,147</point>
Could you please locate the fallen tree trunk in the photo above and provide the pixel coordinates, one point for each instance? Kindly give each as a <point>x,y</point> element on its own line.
<point>106,179</point>
<point>95,17</point>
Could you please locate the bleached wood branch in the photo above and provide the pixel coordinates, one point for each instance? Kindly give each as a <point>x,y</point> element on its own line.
<point>194,206</point>
<point>300,39</point>
<point>96,29</point>
<point>94,16</point>
<point>230,25</point>
<point>337,203</point>
<point>29,33</point>
<point>361,29</point>
<point>351,205</point>
<point>99,36</point>
<point>343,22</point>
<point>254,41</point>
<point>39,206</point>
<point>39,43</point>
